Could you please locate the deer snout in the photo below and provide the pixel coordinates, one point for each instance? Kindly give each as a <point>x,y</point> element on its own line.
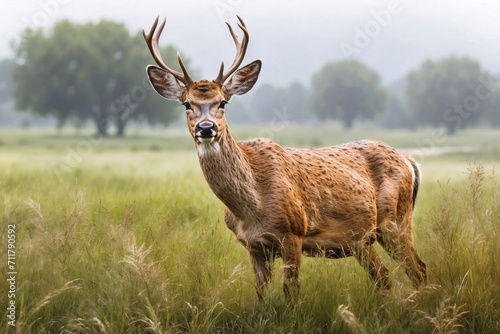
<point>205,130</point>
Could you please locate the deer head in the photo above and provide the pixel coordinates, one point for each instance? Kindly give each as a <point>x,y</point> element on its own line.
<point>205,100</point>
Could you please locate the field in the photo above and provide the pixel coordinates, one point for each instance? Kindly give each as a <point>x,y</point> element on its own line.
<point>125,236</point>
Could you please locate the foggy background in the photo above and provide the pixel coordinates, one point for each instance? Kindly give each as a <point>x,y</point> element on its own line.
<point>294,39</point>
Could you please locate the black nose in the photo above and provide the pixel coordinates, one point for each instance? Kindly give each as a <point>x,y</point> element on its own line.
<point>206,129</point>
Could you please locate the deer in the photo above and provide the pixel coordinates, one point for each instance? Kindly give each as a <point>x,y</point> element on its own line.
<point>282,202</point>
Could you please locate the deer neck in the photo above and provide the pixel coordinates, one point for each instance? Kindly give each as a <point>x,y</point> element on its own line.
<point>229,175</point>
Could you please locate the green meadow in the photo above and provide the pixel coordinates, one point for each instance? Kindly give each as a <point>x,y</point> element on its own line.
<point>125,236</point>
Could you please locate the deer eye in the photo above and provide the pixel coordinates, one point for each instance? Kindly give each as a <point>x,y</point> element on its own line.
<point>187,105</point>
<point>222,104</point>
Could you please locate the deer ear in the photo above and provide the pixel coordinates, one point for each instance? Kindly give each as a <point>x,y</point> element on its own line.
<point>243,79</point>
<point>165,83</point>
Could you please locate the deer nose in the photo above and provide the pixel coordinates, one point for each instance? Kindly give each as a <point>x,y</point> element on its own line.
<point>206,129</point>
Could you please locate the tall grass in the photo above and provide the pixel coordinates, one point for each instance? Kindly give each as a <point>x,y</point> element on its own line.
<point>117,247</point>
<point>463,238</point>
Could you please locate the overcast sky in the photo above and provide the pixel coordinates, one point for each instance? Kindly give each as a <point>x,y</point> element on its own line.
<point>293,38</point>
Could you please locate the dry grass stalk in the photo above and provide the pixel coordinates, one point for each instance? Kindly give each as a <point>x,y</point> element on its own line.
<point>47,300</point>
<point>351,320</point>
<point>137,257</point>
<point>100,325</point>
<point>447,317</point>
<point>38,221</point>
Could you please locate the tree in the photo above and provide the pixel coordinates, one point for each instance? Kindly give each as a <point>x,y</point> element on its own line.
<point>346,90</point>
<point>5,66</point>
<point>493,115</point>
<point>396,115</point>
<point>266,100</point>
<point>93,71</point>
<point>280,103</point>
<point>297,102</point>
<point>448,93</point>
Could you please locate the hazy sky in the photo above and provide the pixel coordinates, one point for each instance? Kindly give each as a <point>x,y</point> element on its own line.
<point>293,38</point>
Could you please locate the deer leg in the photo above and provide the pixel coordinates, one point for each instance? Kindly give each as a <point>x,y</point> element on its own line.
<point>292,256</point>
<point>398,243</point>
<point>369,259</point>
<point>262,266</point>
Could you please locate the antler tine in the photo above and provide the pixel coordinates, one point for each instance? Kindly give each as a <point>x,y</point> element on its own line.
<point>241,48</point>
<point>152,42</point>
<point>183,67</point>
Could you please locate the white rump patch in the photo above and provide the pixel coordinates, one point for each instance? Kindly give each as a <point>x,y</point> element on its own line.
<point>419,172</point>
<point>413,171</point>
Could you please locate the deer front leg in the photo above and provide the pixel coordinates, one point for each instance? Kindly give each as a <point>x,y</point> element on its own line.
<point>292,257</point>
<point>262,266</point>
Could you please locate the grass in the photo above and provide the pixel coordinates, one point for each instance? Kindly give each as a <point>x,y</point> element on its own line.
<point>127,239</point>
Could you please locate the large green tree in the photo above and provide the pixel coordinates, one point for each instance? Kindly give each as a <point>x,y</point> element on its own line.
<point>88,72</point>
<point>452,93</point>
<point>346,90</point>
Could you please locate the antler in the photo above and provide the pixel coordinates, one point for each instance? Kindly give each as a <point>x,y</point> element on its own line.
<point>241,48</point>
<point>152,43</point>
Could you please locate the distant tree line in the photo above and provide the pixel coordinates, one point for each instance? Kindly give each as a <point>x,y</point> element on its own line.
<point>451,93</point>
<point>94,72</point>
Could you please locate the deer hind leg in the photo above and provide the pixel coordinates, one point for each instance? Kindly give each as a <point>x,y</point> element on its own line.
<point>396,239</point>
<point>369,259</point>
